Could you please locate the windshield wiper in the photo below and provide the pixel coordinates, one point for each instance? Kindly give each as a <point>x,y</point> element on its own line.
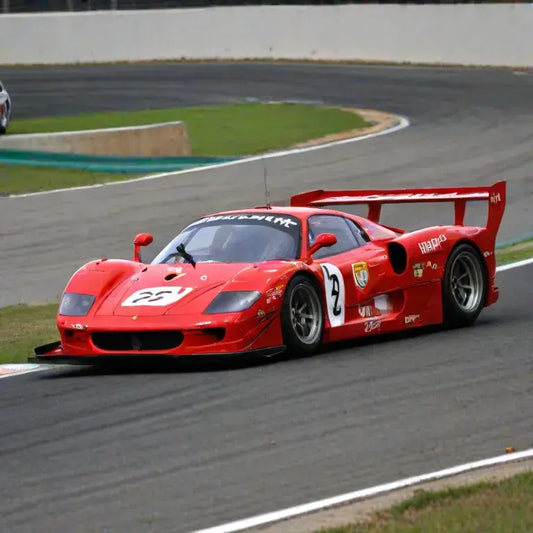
<point>187,256</point>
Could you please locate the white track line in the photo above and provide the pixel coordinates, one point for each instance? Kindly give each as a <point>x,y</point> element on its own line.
<point>403,123</point>
<point>524,262</point>
<point>35,367</point>
<point>291,512</point>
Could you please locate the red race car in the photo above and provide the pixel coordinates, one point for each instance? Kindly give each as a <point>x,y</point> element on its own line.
<point>269,279</point>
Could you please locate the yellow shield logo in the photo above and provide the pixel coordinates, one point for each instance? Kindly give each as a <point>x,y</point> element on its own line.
<point>360,274</point>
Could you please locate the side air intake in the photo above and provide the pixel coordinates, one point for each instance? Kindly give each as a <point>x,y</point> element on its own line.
<point>397,257</point>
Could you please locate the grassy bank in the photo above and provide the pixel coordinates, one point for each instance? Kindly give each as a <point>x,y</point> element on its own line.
<point>232,130</point>
<point>22,327</point>
<point>500,507</point>
<point>218,130</point>
<point>516,252</point>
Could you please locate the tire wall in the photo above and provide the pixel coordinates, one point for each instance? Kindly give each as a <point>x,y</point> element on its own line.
<point>468,34</point>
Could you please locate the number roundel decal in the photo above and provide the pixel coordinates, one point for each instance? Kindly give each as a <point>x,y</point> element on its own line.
<point>335,295</point>
<point>155,296</point>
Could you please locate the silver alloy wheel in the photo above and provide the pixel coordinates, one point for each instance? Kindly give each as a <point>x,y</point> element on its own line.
<point>466,281</point>
<point>306,314</point>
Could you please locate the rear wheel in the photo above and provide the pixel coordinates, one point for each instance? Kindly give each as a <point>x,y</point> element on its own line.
<point>302,318</point>
<point>465,286</point>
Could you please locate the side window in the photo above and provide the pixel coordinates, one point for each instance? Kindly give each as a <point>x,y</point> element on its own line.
<point>339,226</point>
<point>358,231</point>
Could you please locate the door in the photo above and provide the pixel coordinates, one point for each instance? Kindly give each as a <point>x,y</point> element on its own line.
<point>353,269</point>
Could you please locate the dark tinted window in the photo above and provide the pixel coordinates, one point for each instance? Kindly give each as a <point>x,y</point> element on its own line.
<point>343,229</point>
<point>237,238</point>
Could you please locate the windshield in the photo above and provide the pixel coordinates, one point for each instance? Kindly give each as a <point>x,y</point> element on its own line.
<point>239,238</point>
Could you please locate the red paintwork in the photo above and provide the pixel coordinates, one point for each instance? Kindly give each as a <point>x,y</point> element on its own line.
<point>389,302</point>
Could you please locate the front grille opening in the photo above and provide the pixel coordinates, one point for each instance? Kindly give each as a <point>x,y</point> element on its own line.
<point>125,341</point>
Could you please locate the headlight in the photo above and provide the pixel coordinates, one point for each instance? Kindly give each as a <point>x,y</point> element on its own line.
<point>232,301</point>
<point>74,304</point>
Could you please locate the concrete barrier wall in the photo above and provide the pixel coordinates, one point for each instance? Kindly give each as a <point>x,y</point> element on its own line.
<point>473,34</point>
<point>156,140</point>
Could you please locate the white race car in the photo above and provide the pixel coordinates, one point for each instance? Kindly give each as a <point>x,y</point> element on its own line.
<point>5,109</point>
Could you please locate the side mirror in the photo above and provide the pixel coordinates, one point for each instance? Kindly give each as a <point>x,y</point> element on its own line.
<point>141,239</point>
<point>322,241</point>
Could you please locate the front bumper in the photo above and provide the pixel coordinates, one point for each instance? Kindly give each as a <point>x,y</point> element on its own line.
<point>53,354</point>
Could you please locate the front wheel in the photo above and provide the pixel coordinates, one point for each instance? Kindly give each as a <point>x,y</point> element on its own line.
<point>302,318</point>
<point>464,287</point>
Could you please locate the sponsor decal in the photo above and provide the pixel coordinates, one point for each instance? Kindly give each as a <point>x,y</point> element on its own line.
<point>335,294</point>
<point>431,265</point>
<point>156,296</point>
<point>487,254</point>
<point>261,313</point>
<point>495,198</point>
<point>372,325</point>
<point>274,293</point>
<point>366,311</point>
<point>203,277</point>
<point>286,222</point>
<point>360,274</point>
<point>411,319</point>
<point>418,270</point>
<point>431,245</point>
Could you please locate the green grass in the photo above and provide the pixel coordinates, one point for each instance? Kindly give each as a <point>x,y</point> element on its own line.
<point>497,507</point>
<point>214,130</point>
<point>223,130</point>
<point>22,327</point>
<point>17,180</point>
<point>516,252</point>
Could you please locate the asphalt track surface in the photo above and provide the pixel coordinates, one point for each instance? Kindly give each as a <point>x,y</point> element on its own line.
<point>203,445</point>
<point>177,451</point>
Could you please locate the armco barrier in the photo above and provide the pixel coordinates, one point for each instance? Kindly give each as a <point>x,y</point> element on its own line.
<point>472,34</point>
<point>115,164</point>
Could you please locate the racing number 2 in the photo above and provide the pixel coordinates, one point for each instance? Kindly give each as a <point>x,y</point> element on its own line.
<point>335,295</point>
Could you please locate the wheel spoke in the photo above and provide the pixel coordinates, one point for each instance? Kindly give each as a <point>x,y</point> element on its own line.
<point>466,286</point>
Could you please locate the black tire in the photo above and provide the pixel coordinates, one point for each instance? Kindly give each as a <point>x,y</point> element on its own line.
<point>302,317</point>
<point>464,287</point>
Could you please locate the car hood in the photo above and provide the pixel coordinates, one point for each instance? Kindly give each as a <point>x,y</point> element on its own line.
<point>180,289</point>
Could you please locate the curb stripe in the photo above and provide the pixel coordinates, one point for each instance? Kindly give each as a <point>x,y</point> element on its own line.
<point>291,512</point>
<point>17,369</point>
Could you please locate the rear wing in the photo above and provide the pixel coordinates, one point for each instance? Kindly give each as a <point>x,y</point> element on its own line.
<point>494,195</point>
